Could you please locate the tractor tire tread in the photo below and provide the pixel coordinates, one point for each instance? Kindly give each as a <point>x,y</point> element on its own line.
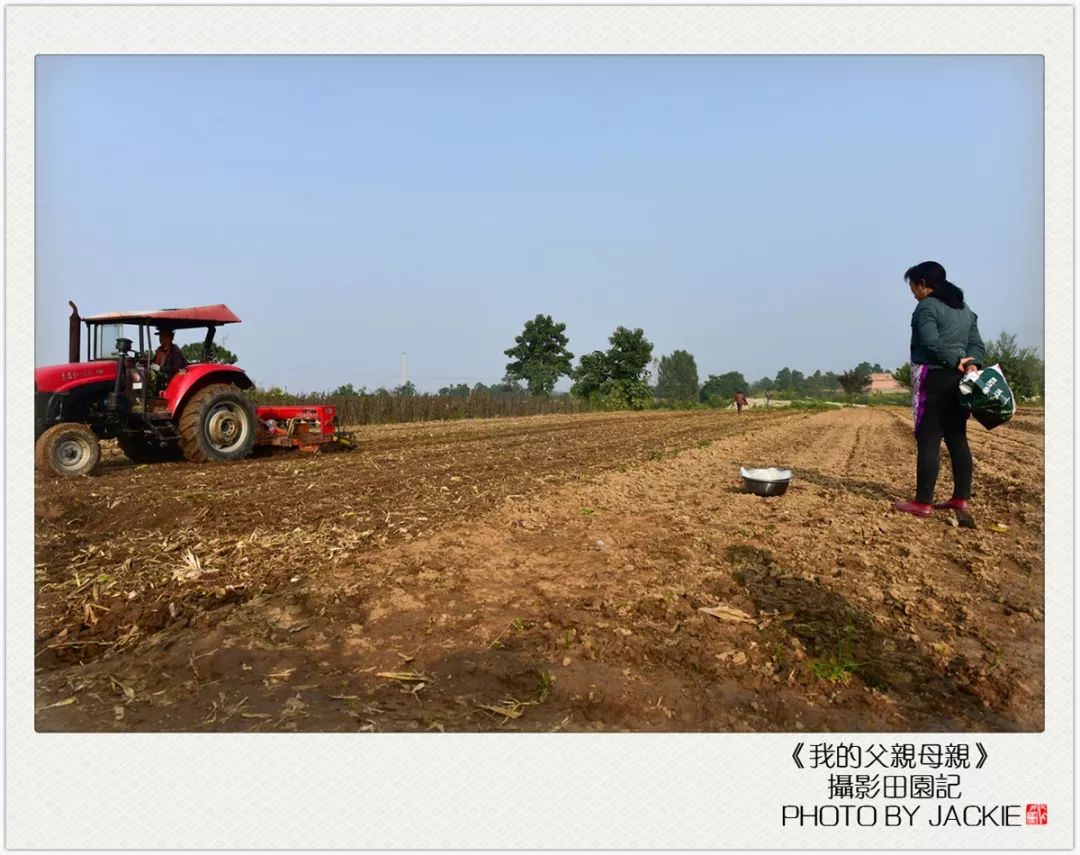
<point>41,457</point>
<point>189,423</point>
<point>43,448</point>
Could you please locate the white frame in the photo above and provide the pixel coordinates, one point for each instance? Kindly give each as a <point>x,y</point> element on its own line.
<point>460,791</point>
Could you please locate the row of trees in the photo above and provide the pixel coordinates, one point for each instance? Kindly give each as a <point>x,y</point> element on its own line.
<point>677,377</point>
<point>1022,367</point>
<point>677,381</point>
<point>383,406</point>
<point>615,378</point>
<point>618,378</point>
<point>792,383</point>
<point>459,390</point>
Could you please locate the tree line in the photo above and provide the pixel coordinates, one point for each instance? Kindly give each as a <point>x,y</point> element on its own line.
<point>619,377</point>
<point>383,406</point>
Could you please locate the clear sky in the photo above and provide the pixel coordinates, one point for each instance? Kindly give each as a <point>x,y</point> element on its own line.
<point>756,211</point>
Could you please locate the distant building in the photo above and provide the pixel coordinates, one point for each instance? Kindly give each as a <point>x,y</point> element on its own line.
<point>882,381</point>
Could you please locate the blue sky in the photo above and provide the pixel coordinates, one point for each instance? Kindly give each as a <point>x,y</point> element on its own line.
<point>756,211</point>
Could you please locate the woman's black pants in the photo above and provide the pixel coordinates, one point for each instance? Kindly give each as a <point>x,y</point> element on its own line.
<point>941,417</point>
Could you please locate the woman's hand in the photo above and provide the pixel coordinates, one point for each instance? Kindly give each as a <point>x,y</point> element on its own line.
<point>967,364</point>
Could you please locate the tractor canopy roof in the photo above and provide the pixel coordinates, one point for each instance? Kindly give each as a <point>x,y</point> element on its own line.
<point>177,319</point>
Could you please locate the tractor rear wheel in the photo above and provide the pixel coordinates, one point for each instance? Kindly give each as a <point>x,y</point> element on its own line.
<point>218,423</point>
<point>69,449</point>
<point>139,449</point>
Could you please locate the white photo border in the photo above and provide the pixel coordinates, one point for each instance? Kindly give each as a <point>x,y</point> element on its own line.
<point>388,791</point>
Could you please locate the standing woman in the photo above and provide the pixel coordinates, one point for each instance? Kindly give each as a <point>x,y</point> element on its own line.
<point>945,344</point>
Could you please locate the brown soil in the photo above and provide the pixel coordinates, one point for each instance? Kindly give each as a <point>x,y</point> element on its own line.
<point>549,573</point>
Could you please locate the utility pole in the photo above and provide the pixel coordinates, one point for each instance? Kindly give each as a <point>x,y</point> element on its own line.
<point>404,368</point>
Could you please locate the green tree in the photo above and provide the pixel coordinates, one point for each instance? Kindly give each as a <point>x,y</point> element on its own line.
<point>617,378</point>
<point>677,377</point>
<point>762,385</point>
<point>347,391</point>
<point>1022,367</point>
<point>782,382</point>
<point>193,353</point>
<point>852,381</point>
<point>540,355</point>
<point>591,375</point>
<point>627,395</point>
<point>798,382</point>
<point>817,384</point>
<point>459,390</point>
<point>629,354</point>
<point>724,386</point>
<point>902,375</point>
<point>508,386</point>
<point>405,390</point>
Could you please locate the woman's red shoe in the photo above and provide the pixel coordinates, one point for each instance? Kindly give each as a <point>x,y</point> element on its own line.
<point>919,509</point>
<point>953,504</point>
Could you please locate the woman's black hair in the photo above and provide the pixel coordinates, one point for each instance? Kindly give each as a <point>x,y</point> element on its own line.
<point>932,275</point>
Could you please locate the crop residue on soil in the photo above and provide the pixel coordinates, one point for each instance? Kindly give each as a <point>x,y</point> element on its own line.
<point>575,573</point>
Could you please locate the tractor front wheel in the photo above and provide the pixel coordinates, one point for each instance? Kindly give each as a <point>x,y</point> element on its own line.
<point>69,449</point>
<point>218,423</point>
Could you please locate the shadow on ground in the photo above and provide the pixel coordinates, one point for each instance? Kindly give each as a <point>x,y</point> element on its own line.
<point>846,643</point>
<point>870,489</point>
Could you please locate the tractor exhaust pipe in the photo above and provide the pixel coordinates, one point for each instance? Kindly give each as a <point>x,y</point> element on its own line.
<point>73,333</point>
<point>117,400</point>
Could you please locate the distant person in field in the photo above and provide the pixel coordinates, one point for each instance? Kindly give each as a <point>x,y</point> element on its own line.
<point>945,344</point>
<point>167,358</point>
<point>740,401</point>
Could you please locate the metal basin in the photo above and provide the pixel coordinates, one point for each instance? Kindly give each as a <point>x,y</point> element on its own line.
<point>766,482</point>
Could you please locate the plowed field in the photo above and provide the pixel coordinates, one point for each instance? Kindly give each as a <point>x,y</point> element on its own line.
<point>575,573</point>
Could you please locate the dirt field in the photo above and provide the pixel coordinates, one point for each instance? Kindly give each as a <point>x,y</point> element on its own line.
<point>549,573</point>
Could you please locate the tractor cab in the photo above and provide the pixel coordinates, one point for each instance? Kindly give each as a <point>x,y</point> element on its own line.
<point>105,332</point>
<point>128,339</point>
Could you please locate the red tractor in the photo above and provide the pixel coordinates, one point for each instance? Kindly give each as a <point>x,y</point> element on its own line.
<point>199,413</point>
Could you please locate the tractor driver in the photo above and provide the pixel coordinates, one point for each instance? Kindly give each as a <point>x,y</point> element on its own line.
<point>167,358</point>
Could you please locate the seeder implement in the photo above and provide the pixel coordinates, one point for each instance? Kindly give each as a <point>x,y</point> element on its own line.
<point>307,427</point>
